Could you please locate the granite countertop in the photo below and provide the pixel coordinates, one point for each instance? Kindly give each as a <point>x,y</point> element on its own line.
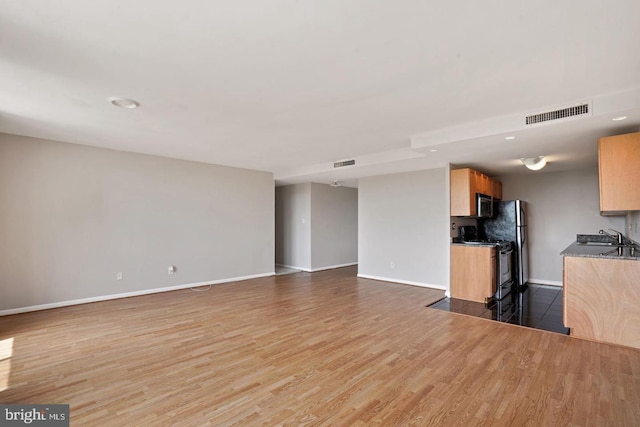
<point>597,251</point>
<point>480,244</point>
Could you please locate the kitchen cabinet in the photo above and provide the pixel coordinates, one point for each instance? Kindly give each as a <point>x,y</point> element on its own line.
<point>601,298</point>
<point>483,184</point>
<point>465,184</point>
<point>473,272</point>
<point>497,189</point>
<point>619,173</point>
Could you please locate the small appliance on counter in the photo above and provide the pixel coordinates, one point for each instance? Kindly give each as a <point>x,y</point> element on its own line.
<point>468,233</point>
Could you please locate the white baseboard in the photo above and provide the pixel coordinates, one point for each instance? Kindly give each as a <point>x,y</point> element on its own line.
<point>128,294</point>
<point>545,282</point>
<point>312,270</point>
<point>403,282</point>
<point>331,267</point>
<point>294,267</point>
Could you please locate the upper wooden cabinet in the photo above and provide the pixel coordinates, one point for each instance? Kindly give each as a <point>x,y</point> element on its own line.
<point>619,168</point>
<point>497,190</point>
<point>465,184</point>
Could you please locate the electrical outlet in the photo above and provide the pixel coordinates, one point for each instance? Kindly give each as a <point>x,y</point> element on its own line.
<point>119,276</point>
<point>392,264</point>
<point>171,269</point>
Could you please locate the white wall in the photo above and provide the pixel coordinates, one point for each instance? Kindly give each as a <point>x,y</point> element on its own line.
<point>293,229</point>
<point>404,219</point>
<point>560,205</point>
<point>316,226</point>
<point>73,216</point>
<point>334,226</point>
<point>634,226</point>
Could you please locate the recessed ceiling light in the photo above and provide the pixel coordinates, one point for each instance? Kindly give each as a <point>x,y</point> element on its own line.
<point>124,102</point>
<point>433,150</point>
<point>617,119</point>
<point>509,138</point>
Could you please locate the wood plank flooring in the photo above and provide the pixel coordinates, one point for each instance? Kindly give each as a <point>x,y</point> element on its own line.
<point>310,349</point>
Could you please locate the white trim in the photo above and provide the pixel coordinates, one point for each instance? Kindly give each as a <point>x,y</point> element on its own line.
<point>294,267</point>
<point>545,282</point>
<point>128,294</point>
<point>403,282</point>
<point>331,267</point>
<point>313,270</point>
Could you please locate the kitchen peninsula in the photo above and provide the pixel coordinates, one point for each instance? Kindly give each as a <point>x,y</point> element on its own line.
<point>602,292</point>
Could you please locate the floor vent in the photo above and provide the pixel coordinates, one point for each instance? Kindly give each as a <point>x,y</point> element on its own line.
<point>577,110</point>
<point>344,163</point>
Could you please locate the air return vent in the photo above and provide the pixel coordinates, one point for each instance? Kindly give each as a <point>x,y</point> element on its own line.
<point>344,163</point>
<point>577,110</point>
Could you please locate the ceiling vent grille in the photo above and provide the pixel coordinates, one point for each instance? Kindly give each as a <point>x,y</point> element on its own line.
<point>344,163</point>
<point>577,110</point>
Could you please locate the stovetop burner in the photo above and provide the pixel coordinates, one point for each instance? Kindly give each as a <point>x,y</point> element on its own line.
<point>503,245</point>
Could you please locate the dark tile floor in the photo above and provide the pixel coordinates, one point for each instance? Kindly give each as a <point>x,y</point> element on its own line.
<point>537,306</point>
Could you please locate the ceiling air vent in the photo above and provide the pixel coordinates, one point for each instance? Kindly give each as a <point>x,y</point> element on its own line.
<point>577,110</point>
<point>344,163</point>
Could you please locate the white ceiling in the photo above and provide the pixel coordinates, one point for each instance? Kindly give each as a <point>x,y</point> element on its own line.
<point>289,86</point>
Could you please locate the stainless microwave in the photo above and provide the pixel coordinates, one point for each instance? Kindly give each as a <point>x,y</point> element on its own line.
<point>484,206</point>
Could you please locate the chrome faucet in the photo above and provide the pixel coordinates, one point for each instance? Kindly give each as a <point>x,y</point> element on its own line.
<point>618,236</point>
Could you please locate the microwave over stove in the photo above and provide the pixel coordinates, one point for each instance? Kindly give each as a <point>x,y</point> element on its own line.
<point>484,206</point>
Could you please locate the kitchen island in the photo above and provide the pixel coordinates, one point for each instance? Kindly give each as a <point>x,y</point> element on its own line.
<point>601,293</point>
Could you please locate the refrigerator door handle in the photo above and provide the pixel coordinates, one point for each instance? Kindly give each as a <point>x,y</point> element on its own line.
<point>522,234</point>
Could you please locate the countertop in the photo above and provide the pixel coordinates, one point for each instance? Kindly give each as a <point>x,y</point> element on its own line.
<point>595,251</point>
<point>475,244</point>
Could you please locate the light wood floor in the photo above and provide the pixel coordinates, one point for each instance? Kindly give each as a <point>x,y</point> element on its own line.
<point>310,349</point>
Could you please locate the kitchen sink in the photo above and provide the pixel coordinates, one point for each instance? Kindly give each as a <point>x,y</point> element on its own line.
<point>598,244</point>
<point>595,240</point>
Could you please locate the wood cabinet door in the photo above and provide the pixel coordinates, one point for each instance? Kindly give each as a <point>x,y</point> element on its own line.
<point>473,272</point>
<point>497,190</point>
<point>619,172</point>
<point>482,184</point>
<point>462,193</point>
<point>464,185</point>
<point>602,297</point>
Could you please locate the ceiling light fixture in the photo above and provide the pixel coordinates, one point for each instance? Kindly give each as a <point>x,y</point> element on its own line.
<point>619,118</point>
<point>336,184</point>
<point>509,138</point>
<point>124,102</point>
<point>534,163</point>
<point>433,150</point>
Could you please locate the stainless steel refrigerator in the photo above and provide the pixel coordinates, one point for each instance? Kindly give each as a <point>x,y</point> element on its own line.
<point>510,223</point>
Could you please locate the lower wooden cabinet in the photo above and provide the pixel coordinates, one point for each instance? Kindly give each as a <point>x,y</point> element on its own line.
<point>602,299</point>
<point>473,272</point>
